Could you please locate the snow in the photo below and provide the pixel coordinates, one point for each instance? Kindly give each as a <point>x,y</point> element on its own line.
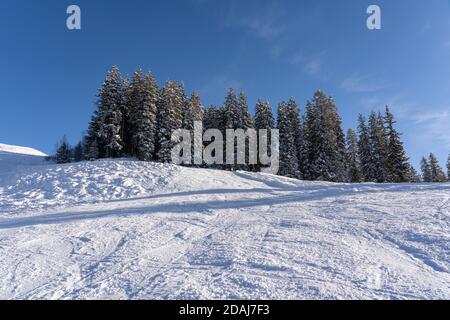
<point>21,150</point>
<point>122,229</point>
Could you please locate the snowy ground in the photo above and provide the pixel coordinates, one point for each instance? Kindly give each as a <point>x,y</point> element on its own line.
<point>130,230</point>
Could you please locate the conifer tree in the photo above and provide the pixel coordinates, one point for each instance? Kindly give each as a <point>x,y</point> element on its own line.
<point>325,141</point>
<point>426,170</point>
<point>397,166</point>
<point>364,150</point>
<point>264,120</point>
<point>413,176</point>
<point>437,174</point>
<point>353,163</point>
<point>448,168</point>
<point>247,123</point>
<point>63,152</point>
<point>288,151</point>
<point>378,145</point>
<point>294,118</point>
<point>110,101</point>
<point>78,152</point>
<point>170,118</point>
<point>143,98</point>
<point>192,112</point>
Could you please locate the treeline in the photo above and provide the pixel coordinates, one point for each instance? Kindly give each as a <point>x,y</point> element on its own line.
<point>135,118</point>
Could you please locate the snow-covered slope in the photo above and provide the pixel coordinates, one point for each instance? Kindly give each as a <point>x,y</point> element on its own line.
<point>21,150</point>
<point>132,230</point>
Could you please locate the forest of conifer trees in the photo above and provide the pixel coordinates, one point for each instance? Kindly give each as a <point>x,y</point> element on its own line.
<point>135,118</point>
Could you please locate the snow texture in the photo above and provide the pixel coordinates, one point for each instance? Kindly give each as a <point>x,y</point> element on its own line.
<point>122,229</point>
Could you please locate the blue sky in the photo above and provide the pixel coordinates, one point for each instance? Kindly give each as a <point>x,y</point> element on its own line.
<point>270,49</point>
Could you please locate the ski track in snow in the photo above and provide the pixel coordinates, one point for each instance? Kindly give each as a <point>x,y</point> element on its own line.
<point>129,230</point>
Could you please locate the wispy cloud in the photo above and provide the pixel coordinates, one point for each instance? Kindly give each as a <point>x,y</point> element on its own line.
<point>264,20</point>
<point>361,83</point>
<point>434,126</point>
<point>312,64</point>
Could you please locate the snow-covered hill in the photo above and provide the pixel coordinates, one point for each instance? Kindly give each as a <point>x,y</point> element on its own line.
<point>132,230</point>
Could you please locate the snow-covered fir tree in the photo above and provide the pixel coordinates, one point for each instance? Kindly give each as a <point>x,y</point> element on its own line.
<point>288,151</point>
<point>448,168</point>
<point>426,170</point>
<point>437,174</point>
<point>110,101</point>
<point>63,151</point>
<point>192,112</point>
<point>325,141</point>
<point>264,120</point>
<point>413,176</point>
<point>142,102</point>
<point>378,146</point>
<point>397,165</point>
<point>353,162</point>
<point>247,123</point>
<point>214,118</point>
<point>293,115</point>
<point>78,152</point>
<point>170,118</point>
<point>364,150</point>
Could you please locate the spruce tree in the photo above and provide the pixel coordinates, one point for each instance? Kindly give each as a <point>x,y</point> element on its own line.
<point>397,166</point>
<point>293,115</point>
<point>264,120</point>
<point>325,141</point>
<point>437,174</point>
<point>413,176</point>
<point>143,98</point>
<point>426,170</point>
<point>378,145</point>
<point>78,152</point>
<point>288,151</point>
<point>364,150</point>
<point>192,112</point>
<point>63,151</point>
<point>110,101</point>
<point>448,168</point>
<point>353,162</point>
<point>170,118</point>
<point>247,123</point>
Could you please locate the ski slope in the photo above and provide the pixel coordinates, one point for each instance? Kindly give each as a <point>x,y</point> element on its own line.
<point>121,229</point>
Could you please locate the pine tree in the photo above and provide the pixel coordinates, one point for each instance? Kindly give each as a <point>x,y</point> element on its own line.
<point>288,151</point>
<point>353,163</point>
<point>170,118</point>
<point>63,152</point>
<point>143,98</point>
<point>109,104</point>
<point>365,150</point>
<point>397,166</point>
<point>437,174</point>
<point>426,170</point>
